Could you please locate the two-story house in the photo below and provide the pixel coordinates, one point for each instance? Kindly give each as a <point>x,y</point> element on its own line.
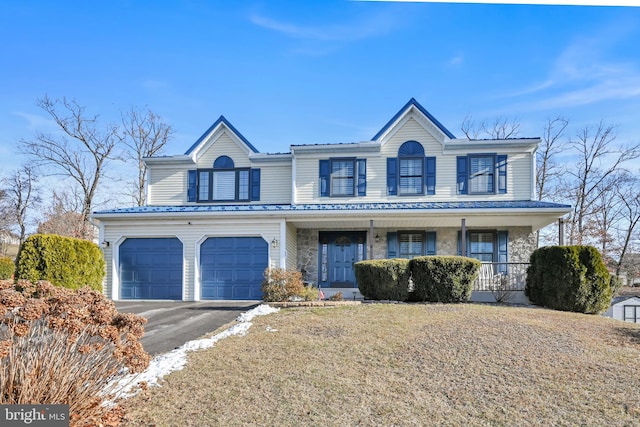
<point>220,214</point>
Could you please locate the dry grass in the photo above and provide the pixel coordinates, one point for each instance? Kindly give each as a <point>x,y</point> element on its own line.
<point>408,365</point>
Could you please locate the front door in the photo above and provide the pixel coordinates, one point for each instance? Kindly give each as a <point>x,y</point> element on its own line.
<point>338,252</point>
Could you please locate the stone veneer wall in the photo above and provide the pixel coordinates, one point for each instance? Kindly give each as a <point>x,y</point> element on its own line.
<point>308,252</point>
<point>522,243</point>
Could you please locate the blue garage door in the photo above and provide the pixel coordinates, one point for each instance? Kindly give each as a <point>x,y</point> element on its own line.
<point>151,269</point>
<point>232,267</point>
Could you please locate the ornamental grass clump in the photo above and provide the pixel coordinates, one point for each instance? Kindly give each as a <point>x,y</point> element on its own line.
<point>59,346</point>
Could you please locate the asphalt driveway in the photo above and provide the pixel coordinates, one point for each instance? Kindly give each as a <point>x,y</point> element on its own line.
<point>172,323</point>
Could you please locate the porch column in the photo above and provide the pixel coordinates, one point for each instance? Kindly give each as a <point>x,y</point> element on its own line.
<point>561,231</point>
<point>370,239</point>
<point>463,237</point>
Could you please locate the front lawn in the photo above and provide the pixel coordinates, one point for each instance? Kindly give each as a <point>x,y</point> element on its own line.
<point>407,365</point>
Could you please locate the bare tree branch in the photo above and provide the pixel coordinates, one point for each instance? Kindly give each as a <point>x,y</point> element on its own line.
<point>145,134</point>
<point>80,153</point>
<point>598,162</point>
<point>21,197</point>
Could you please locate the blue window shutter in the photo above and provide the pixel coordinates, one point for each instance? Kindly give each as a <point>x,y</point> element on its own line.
<point>431,243</point>
<point>255,184</point>
<point>430,175</point>
<point>392,245</point>
<point>392,176</point>
<point>192,186</point>
<point>462,174</point>
<point>362,177</point>
<point>324,178</point>
<point>501,162</point>
<point>503,250</point>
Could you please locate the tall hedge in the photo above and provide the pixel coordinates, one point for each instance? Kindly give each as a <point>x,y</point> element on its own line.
<point>444,278</point>
<point>63,261</point>
<point>569,278</point>
<point>383,279</point>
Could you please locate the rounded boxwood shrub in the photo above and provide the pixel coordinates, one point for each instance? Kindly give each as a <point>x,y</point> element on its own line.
<point>7,267</point>
<point>383,279</point>
<point>569,278</point>
<point>64,261</point>
<point>444,278</point>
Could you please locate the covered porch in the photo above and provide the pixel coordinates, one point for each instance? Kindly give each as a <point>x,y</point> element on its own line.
<point>328,244</point>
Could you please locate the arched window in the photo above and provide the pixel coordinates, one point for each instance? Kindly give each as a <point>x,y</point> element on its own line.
<point>224,182</point>
<point>223,162</point>
<point>411,173</point>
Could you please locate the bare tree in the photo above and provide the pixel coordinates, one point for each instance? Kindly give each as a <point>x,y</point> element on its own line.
<point>501,128</point>
<point>629,196</point>
<point>548,170</point>
<point>145,134</point>
<point>598,160</point>
<point>81,152</point>
<point>62,217</point>
<point>469,127</point>
<point>20,197</point>
<point>601,225</point>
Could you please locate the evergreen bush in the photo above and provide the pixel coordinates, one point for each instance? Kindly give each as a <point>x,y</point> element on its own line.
<point>63,261</point>
<point>569,278</point>
<point>447,279</point>
<point>383,279</point>
<point>7,268</point>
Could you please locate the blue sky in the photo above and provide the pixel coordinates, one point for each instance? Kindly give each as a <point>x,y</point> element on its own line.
<point>292,72</point>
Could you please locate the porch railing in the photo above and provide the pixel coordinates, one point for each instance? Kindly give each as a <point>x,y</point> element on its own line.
<point>507,276</point>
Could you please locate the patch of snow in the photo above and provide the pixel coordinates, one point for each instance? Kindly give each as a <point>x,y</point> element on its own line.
<point>176,360</point>
<point>260,310</point>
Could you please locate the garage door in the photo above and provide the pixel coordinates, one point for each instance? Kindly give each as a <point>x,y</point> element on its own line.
<point>232,267</point>
<point>151,269</point>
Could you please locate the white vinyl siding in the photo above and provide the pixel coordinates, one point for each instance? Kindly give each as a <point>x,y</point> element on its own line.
<point>292,247</point>
<point>308,181</point>
<point>167,186</point>
<point>223,146</point>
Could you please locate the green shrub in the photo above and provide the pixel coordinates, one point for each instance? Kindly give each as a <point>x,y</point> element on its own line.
<point>310,293</point>
<point>280,284</point>
<point>63,261</point>
<point>616,284</point>
<point>7,267</point>
<point>383,279</point>
<point>569,278</point>
<point>444,278</point>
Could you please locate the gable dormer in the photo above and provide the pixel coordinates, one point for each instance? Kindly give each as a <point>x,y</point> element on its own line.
<point>221,139</point>
<point>412,110</point>
<point>224,172</point>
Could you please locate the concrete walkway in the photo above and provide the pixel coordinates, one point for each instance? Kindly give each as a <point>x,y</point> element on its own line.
<point>172,323</point>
